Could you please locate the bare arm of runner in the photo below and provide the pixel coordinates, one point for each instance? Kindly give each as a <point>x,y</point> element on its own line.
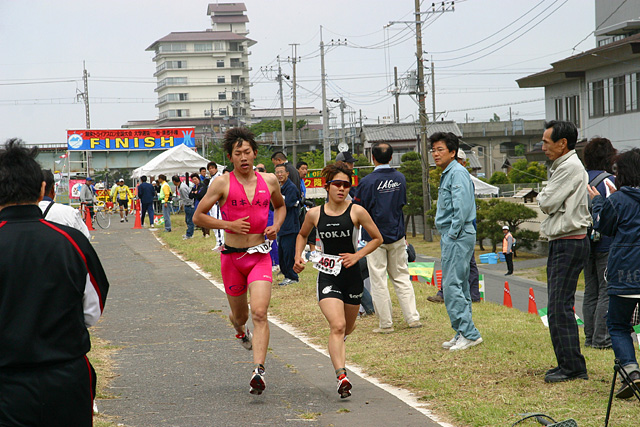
<point>279,210</point>
<point>218,191</point>
<point>361,217</point>
<point>310,221</point>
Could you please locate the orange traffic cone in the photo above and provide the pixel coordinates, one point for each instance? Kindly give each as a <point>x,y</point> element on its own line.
<point>87,218</point>
<point>138,224</point>
<point>507,296</point>
<point>533,308</point>
<point>439,279</point>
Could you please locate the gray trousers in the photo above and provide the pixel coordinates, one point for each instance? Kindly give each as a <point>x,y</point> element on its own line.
<point>596,301</point>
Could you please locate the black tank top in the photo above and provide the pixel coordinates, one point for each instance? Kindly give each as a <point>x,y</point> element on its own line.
<point>337,233</point>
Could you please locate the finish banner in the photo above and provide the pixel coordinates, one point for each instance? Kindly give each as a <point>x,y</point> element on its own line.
<point>129,139</point>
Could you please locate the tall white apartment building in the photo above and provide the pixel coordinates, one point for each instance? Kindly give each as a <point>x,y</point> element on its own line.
<point>203,76</point>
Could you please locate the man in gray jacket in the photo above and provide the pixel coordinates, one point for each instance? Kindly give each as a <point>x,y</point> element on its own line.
<point>564,200</point>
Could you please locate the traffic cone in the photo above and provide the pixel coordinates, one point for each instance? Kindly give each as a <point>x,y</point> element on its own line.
<point>533,308</point>
<point>439,279</point>
<point>87,218</point>
<point>138,224</point>
<point>507,296</point>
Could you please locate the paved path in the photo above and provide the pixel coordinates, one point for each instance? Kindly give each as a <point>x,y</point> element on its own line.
<point>180,365</point>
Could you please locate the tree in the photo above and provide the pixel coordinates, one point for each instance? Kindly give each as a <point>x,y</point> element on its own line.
<point>527,172</point>
<point>498,178</point>
<point>486,227</point>
<point>496,118</point>
<point>266,126</point>
<point>520,149</point>
<point>411,168</point>
<point>511,214</point>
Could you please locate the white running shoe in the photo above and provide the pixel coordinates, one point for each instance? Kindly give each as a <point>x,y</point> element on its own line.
<point>257,382</point>
<point>344,387</point>
<point>463,343</point>
<point>245,339</point>
<point>448,344</point>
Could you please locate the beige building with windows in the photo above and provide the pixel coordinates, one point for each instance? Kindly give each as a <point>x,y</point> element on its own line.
<point>203,76</point>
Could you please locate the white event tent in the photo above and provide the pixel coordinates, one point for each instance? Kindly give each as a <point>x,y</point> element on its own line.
<point>175,161</point>
<point>484,188</point>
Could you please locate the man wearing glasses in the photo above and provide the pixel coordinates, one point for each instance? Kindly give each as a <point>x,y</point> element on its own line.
<point>290,227</point>
<point>383,193</point>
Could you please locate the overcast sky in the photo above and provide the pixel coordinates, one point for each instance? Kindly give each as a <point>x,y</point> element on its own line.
<point>479,50</point>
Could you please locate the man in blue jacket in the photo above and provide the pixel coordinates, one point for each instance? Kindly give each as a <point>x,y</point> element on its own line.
<point>383,193</point>
<point>454,220</point>
<point>146,194</point>
<point>290,227</point>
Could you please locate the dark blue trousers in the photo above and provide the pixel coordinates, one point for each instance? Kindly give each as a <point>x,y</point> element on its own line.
<point>147,208</point>
<point>286,254</point>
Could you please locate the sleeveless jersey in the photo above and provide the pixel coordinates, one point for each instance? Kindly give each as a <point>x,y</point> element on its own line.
<point>238,205</point>
<point>337,233</point>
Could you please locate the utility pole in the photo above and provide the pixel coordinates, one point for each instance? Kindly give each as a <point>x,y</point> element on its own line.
<point>85,98</point>
<point>282,126</point>
<point>342,105</point>
<point>397,93</point>
<point>426,191</point>
<point>326,148</point>
<point>294,60</point>
<point>433,90</point>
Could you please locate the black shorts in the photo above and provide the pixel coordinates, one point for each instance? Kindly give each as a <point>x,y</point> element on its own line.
<point>346,286</point>
<point>124,203</point>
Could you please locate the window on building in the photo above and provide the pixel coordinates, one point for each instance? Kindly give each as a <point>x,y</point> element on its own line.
<point>174,114</point>
<point>220,63</point>
<point>480,151</point>
<point>235,63</point>
<point>172,65</point>
<point>203,47</point>
<point>596,98</point>
<point>219,46</point>
<point>619,93</point>
<point>220,79</point>
<point>568,108</point>
<point>222,111</point>
<point>222,95</point>
<point>632,91</point>
<point>172,47</point>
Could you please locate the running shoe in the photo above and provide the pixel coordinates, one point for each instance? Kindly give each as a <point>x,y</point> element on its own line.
<point>257,382</point>
<point>344,387</point>
<point>245,339</point>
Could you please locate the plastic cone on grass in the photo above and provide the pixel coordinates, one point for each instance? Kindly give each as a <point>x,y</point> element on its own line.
<point>439,279</point>
<point>137,225</point>
<point>507,296</point>
<point>533,308</point>
<point>87,218</point>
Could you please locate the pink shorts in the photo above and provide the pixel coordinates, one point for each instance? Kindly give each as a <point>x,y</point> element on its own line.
<point>240,268</point>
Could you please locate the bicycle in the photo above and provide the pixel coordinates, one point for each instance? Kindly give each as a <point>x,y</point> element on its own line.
<point>102,215</point>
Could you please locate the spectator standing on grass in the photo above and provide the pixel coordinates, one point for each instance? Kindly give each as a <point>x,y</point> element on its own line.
<point>164,198</point>
<point>474,276</point>
<point>52,288</point>
<point>146,194</point>
<point>618,216</point>
<point>383,193</point>
<point>278,158</point>
<point>564,201</point>
<point>182,191</point>
<point>197,192</point>
<point>290,227</point>
<point>87,196</point>
<point>214,173</point>
<point>598,159</point>
<point>303,169</point>
<point>455,216</point>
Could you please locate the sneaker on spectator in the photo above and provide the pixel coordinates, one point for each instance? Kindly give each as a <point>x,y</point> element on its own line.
<point>185,237</point>
<point>287,281</point>
<point>448,344</point>
<point>463,343</point>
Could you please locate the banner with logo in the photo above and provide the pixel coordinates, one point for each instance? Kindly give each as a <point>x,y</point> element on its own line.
<point>129,139</point>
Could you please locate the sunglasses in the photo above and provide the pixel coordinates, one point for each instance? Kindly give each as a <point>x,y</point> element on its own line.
<point>339,183</point>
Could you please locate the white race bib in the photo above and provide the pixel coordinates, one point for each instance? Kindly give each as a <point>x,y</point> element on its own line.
<point>329,264</point>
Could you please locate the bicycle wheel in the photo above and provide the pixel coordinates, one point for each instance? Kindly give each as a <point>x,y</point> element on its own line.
<point>103,219</point>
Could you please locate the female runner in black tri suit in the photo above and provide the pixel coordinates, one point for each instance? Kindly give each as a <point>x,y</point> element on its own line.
<point>339,281</point>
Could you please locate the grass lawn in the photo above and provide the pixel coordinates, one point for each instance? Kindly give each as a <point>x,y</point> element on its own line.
<point>488,385</point>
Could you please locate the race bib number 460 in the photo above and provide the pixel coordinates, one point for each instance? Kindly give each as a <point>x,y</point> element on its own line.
<point>329,264</point>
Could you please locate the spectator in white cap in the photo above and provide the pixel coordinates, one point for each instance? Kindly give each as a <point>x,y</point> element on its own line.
<point>507,248</point>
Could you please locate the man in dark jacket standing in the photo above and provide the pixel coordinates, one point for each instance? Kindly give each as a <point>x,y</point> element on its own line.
<point>146,194</point>
<point>290,227</point>
<point>49,297</point>
<point>383,193</point>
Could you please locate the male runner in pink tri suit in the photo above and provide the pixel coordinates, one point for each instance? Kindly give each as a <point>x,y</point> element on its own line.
<point>244,197</point>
